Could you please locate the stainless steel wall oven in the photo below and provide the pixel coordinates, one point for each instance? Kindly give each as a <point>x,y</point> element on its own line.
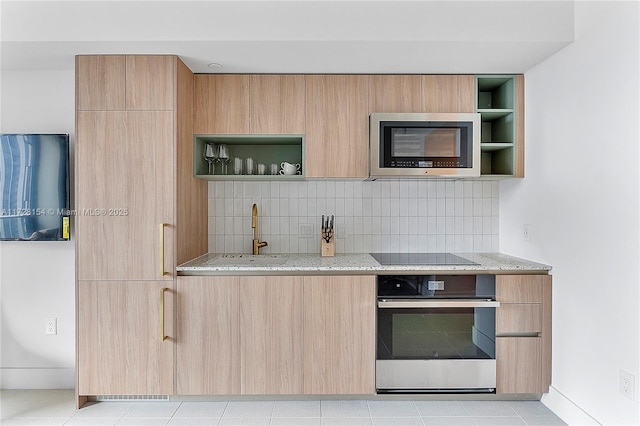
<point>436,333</point>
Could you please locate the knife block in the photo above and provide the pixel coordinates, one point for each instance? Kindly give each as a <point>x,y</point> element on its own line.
<point>327,249</point>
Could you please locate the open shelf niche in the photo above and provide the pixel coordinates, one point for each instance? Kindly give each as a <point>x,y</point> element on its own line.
<point>265,149</point>
<point>496,103</point>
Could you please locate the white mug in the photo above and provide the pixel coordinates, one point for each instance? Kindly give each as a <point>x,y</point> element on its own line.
<point>289,172</point>
<point>289,169</point>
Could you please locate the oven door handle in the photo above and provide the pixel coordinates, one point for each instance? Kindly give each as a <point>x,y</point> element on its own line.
<point>450,303</point>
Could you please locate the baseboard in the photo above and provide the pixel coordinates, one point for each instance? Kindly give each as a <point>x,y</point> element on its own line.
<point>37,378</point>
<point>566,409</point>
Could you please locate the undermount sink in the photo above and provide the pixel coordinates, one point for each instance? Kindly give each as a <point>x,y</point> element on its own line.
<point>248,260</point>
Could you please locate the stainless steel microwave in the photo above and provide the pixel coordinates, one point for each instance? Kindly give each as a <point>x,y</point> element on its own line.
<point>424,144</point>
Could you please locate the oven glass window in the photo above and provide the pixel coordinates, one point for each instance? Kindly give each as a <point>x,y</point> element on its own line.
<point>436,333</point>
<point>425,142</point>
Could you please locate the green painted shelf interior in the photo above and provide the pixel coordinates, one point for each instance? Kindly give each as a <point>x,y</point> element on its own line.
<point>265,149</point>
<point>496,105</point>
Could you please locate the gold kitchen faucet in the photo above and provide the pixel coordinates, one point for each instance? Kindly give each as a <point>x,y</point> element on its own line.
<point>257,244</point>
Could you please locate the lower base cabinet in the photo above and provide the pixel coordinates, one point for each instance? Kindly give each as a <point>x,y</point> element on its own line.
<point>122,349</point>
<point>339,335</point>
<point>208,340</point>
<point>519,365</point>
<point>523,333</point>
<point>275,335</point>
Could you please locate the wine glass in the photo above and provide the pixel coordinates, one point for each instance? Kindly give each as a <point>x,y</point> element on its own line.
<point>223,157</point>
<point>210,155</point>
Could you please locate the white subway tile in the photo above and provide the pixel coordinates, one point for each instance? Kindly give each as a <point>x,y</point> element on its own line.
<point>442,215</point>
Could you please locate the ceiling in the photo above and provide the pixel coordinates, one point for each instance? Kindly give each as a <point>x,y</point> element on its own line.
<point>505,36</point>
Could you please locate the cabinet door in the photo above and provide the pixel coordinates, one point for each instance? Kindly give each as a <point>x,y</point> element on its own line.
<point>277,104</point>
<point>337,137</point>
<point>515,318</point>
<point>339,335</point>
<point>150,82</point>
<point>100,83</point>
<point>449,93</point>
<point>221,104</point>
<point>395,93</point>
<point>519,365</point>
<point>271,335</point>
<point>208,341</point>
<point>120,338</point>
<point>125,179</point>
<point>520,288</point>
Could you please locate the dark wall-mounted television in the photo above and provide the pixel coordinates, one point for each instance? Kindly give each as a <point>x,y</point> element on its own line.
<point>34,187</point>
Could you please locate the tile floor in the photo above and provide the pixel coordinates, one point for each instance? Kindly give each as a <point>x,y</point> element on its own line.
<point>46,407</point>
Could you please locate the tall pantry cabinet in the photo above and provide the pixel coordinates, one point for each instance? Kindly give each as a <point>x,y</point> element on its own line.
<point>139,214</point>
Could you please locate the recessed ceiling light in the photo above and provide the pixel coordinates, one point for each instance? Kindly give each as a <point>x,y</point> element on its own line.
<point>215,65</point>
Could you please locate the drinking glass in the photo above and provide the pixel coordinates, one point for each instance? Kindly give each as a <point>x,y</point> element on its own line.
<point>237,166</point>
<point>250,166</point>
<point>210,155</point>
<point>223,157</point>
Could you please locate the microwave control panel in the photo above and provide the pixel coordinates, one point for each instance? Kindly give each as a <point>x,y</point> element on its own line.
<point>425,163</point>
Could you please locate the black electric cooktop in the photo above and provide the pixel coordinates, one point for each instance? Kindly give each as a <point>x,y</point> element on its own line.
<point>421,259</point>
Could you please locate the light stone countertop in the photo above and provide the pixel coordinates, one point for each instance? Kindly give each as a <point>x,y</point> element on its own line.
<point>348,264</point>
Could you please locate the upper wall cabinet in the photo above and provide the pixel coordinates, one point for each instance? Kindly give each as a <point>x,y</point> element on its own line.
<point>125,83</point>
<point>276,105</point>
<point>337,126</point>
<point>395,93</point>
<point>422,93</point>
<point>249,104</point>
<point>221,104</point>
<point>448,93</point>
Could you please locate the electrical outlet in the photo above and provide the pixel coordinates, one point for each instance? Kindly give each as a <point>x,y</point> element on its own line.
<point>627,385</point>
<point>526,232</point>
<point>305,230</point>
<point>51,326</point>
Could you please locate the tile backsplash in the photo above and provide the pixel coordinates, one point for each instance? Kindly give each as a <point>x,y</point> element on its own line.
<point>370,216</point>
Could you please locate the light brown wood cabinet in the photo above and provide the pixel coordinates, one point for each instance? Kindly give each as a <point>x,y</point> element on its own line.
<point>239,335</point>
<point>523,333</point>
<point>339,335</point>
<point>208,339</point>
<point>422,93</point>
<point>124,194</point>
<point>221,104</point>
<point>395,93</point>
<point>131,225</point>
<point>275,335</point>
<point>249,104</point>
<point>448,93</point>
<point>120,347</point>
<point>271,335</point>
<point>337,126</point>
<point>277,104</point>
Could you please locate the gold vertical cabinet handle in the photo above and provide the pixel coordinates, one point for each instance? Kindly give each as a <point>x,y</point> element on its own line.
<point>162,271</point>
<point>163,335</point>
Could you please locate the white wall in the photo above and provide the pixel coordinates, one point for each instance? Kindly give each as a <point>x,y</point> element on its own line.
<point>581,198</point>
<point>37,278</point>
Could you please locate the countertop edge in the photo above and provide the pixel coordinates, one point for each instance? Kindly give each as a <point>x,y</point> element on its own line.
<point>487,263</point>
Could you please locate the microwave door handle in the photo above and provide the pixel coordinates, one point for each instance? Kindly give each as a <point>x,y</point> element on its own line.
<point>422,303</point>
